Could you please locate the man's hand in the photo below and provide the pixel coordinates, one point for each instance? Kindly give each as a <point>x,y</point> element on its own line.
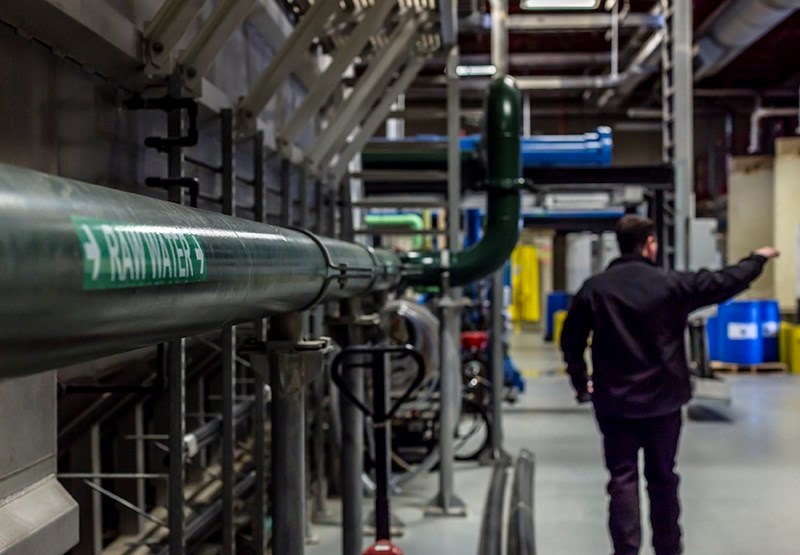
<point>583,397</point>
<point>768,252</point>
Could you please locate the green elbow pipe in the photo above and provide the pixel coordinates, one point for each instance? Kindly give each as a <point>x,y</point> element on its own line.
<point>504,178</point>
<point>407,221</point>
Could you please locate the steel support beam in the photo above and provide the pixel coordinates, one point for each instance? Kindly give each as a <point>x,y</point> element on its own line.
<point>196,60</point>
<point>448,22</point>
<point>447,503</point>
<point>331,78</point>
<point>352,455</point>
<point>228,350</point>
<point>165,30</point>
<point>175,352</point>
<point>682,102</point>
<point>261,389</point>
<point>287,202</point>
<point>580,22</point>
<point>320,512</point>
<point>497,353</point>
<point>367,89</point>
<point>275,28</point>
<point>542,59</point>
<point>283,63</point>
<point>454,145</point>
<point>288,457</point>
<point>376,118</point>
<point>497,306</point>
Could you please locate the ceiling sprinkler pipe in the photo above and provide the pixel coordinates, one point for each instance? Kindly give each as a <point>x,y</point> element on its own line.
<point>504,176</point>
<point>90,271</point>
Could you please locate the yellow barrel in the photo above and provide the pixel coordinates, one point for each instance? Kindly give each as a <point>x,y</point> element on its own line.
<point>790,346</point>
<point>794,350</point>
<point>558,324</point>
<point>525,289</point>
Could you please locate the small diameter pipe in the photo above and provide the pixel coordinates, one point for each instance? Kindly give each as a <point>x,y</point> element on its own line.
<point>502,144</point>
<point>406,221</point>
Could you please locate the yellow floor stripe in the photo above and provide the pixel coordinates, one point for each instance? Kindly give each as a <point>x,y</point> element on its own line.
<point>535,373</point>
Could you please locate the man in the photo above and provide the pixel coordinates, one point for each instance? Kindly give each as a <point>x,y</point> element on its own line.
<point>637,314</point>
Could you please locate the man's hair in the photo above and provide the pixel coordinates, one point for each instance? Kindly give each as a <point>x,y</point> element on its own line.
<point>632,233</point>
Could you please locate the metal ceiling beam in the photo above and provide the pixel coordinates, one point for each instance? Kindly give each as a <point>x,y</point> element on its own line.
<point>580,22</point>
<point>367,88</point>
<point>542,59</point>
<point>376,118</point>
<point>196,60</point>
<point>644,64</point>
<point>165,30</point>
<point>330,79</point>
<point>275,28</point>
<point>283,64</point>
<point>448,22</point>
<point>551,83</point>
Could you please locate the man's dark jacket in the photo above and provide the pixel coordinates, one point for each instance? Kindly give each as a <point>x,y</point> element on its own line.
<point>637,313</point>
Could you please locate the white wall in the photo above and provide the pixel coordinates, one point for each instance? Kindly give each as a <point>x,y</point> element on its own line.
<point>750,214</point>
<point>787,220</point>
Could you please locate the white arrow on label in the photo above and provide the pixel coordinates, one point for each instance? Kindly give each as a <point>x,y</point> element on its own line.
<point>198,253</point>
<point>91,250</point>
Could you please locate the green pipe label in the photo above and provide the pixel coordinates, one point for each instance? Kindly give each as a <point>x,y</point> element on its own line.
<point>118,255</point>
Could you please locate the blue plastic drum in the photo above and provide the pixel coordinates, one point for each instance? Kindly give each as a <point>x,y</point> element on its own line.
<point>740,332</point>
<point>557,300</point>
<point>712,337</point>
<point>770,329</point>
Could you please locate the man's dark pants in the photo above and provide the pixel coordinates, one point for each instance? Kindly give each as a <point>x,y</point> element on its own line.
<point>658,438</point>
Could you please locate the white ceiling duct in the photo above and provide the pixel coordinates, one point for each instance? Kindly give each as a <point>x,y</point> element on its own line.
<point>740,24</point>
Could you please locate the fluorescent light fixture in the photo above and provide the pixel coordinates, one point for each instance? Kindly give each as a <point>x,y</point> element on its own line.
<point>476,71</point>
<point>559,4</point>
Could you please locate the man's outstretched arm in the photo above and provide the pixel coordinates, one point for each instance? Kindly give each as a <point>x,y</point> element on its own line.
<point>705,288</point>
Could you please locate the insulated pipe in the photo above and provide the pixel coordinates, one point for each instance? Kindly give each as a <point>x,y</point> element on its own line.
<point>736,28</point>
<point>504,171</point>
<point>90,271</point>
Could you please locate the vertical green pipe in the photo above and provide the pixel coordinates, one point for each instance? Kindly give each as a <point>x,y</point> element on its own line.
<point>501,142</point>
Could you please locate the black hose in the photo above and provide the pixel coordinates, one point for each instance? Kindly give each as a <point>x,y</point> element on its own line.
<point>521,539</point>
<point>491,538</point>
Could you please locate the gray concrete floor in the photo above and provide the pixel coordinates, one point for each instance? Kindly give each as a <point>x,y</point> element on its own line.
<point>740,479</point>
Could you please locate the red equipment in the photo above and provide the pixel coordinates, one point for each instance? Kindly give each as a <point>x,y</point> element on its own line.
<point>383,547</point>
<point>472,341</point>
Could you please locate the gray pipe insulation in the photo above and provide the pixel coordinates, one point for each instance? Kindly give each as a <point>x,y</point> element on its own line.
<point>739,25</point>
<point>88,271</point>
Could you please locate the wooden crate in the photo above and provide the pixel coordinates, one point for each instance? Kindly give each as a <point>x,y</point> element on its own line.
<point>764,368</point>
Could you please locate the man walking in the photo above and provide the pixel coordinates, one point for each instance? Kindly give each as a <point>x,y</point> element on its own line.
<point>637,315</point>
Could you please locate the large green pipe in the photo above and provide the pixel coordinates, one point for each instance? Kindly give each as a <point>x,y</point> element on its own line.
<point>504,170</point>
<point>88,271</point>
<point>406,221</point>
